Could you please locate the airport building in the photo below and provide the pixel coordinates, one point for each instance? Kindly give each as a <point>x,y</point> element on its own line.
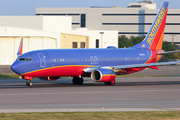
<point>135,20</point>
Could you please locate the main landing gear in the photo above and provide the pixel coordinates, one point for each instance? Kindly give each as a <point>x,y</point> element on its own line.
<point>110,83</point>
<point>77,80</point>
<point>29,83</point>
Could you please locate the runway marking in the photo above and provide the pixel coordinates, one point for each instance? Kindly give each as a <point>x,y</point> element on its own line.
<point>95,92</point>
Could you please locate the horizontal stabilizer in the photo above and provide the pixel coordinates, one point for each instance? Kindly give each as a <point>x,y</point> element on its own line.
<point>153,67</point>
<point>170,52</point>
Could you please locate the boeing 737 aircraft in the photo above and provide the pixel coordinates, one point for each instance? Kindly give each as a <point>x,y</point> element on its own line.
<point>102,65</point>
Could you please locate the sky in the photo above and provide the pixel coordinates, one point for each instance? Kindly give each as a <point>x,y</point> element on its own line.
<point>28,7</point>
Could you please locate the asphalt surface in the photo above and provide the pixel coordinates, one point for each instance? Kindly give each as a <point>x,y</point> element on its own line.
<point>129,94</point>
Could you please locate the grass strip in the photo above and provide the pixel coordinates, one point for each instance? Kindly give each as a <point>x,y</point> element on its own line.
<point>159,115</point>
<point>8,76</point>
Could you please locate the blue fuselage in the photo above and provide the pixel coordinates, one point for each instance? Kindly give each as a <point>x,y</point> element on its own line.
<point>40,60</point>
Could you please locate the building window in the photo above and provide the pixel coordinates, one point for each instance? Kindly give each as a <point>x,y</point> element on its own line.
<point>97,43</point>
<point>74,45</point>
<point>82,44</point>
<point>83,20</point>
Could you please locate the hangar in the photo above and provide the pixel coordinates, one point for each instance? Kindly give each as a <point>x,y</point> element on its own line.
<point>47,32</point>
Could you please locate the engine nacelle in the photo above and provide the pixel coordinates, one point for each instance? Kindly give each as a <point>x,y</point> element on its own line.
<point>48,78</point>
<point>103,75</point>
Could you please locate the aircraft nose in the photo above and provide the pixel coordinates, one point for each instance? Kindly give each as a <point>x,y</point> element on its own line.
<point>16,67</point>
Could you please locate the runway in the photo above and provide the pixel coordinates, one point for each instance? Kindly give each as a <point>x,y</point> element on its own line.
<point>129,94</point>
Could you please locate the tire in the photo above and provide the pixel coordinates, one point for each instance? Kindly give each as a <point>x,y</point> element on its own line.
<point>28,83</point>
<point>75,80</point>
<point>105,83</point>
<point>110,83</point>
<point>80,81</point>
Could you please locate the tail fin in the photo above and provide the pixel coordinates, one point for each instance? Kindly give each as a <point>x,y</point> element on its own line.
<point>20,48</point>
<point>154,38</point>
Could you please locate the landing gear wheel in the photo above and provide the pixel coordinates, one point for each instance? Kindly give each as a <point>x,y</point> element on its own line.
<point>29,83</point>
<point>80,81</point>
<point>105,83</point>
<point>110,83</point>
<point>77,80</point>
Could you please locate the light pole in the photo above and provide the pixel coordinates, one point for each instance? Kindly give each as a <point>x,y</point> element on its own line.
<point>101,39</point>
<point>173,39</point>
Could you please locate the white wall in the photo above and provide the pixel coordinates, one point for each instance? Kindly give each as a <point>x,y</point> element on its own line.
<point>57,23</point>
<point>109,38</point>
<point>32,22</point>
<point>32,40</point>
<point>46,23</point>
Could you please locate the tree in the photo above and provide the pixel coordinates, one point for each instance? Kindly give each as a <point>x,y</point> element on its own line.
<point>167,46</point>
<point>124,41</point>
<point>136,40</point>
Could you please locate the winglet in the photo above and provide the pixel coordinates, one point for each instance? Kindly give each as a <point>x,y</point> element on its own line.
<point>154,38</point>
<point>20,48</point>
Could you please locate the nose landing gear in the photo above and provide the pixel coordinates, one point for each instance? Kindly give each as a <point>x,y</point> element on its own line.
<point>29,83</point>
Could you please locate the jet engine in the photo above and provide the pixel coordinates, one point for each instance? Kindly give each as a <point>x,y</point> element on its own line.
<point>103,75</point>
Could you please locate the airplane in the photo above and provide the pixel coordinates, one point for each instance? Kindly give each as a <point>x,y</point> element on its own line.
<point>102,65</point>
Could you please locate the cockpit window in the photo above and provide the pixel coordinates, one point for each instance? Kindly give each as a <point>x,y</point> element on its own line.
<point>24,59</point>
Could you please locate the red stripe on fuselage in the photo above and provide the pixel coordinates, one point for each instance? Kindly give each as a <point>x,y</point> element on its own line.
<point>73,70</point>
<point>153,56</point>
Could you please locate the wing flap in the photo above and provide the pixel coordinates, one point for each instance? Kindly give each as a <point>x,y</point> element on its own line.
<point>145,65</point>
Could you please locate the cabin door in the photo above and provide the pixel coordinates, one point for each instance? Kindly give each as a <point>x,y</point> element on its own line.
<point>42,60</point>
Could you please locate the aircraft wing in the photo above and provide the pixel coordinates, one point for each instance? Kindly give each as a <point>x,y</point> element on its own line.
<point>91,69</point>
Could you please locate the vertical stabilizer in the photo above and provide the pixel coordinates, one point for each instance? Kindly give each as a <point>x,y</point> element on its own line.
<point>154,38</point>
<point>20,50</point>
